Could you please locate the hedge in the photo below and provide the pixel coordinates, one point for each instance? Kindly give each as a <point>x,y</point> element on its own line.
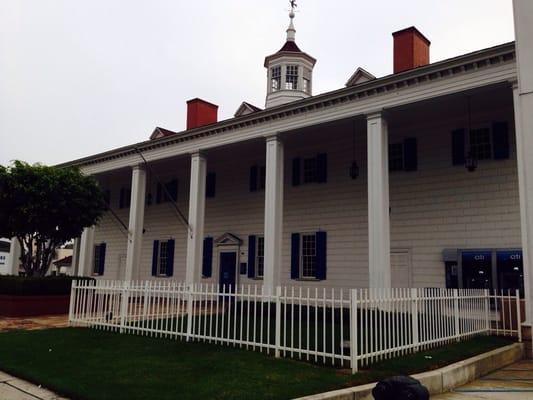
<point>37,286</point>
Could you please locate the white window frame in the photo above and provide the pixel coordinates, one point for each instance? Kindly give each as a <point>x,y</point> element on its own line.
<point>476,128</point>
<point>160,254</point>
<point>399,145</point>
<point>277,78</point>
<point>303,276</point>
<point>304,169</point>
<point>294,75</point>
<point>96,257</point>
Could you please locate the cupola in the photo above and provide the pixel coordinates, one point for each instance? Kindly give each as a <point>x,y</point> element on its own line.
<point>289,71</point>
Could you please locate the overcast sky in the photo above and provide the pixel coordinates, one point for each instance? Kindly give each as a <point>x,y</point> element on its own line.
<point>78,77</point>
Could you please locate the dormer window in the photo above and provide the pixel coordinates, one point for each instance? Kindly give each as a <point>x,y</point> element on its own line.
<point>291,81</point>
<point>276,79</point>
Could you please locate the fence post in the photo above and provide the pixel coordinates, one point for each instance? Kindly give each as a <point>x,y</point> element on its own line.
<point>487,307</point>
<point>190,310</point>
<point>456,313</point>
<point>124,305</point>
<point>71,304</point>
<point>518,316</point>
<point>278,321</point>
<point>354,337</point>
<point>414,319</point>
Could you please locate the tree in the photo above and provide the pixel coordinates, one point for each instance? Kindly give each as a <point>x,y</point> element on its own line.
<point>44,207</point>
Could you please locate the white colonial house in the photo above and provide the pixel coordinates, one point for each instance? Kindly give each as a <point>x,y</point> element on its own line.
<point>422,178</point>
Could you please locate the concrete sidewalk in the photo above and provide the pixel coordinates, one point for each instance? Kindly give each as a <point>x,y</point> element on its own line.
<point>12,388</point>
<point>514,382</point>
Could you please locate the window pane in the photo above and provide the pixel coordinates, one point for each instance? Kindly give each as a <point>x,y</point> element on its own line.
<point>310,170</point>
<point>396,157</point>
<point>260,257</point>
<point>96,263</point>
<point>480,144</point>
<point>308,256</point>
<point>276,78</point>
<point>291,78</point>
<point>162,270</point>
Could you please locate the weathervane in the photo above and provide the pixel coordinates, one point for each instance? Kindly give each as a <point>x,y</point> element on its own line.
<point>293,4</point>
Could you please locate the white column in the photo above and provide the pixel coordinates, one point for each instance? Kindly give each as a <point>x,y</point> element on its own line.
<point>523,105</point>
<point>378,202</point>
<point>136,222</point>
<point>74,267</point>
<point>273,213</point>
<point>14,257</point>
<point>86,252</point>
<point>195,235</point>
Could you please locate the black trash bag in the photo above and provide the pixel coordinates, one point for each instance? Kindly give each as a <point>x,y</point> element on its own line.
<point>400,388</point>
<point>414,392</point>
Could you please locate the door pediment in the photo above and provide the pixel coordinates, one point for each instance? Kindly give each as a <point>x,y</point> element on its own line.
<point>228,239</point>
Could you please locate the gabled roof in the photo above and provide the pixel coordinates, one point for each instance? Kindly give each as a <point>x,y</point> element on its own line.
<point>161,132</point>
<point>245,109</point>
<point>359,76</point>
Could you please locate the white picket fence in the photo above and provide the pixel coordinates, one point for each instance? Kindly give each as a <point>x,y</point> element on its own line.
<point>340,327</point>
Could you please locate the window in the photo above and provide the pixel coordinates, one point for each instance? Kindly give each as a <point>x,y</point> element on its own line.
<point>308,256</point>
<point>276,79</point>
<point>310,170</point>
<point>307,85</point>
<point>291,78</point>
<point>396,157</point>
<point>257,178</point>
<point>162,261</point>
<point>99,259</point>
<point>307,80</point>
<point>2,260</point>
<point>260,257</point>
<point>125,198</point>
<point>480,143</point>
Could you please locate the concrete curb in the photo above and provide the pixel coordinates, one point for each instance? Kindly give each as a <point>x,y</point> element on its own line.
<point>440,380</point>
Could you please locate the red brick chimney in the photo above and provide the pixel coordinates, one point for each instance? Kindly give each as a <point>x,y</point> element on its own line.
<point>200,113</point>
<point>411,49</point>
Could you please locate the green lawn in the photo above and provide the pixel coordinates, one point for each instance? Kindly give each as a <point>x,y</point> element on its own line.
<point>90,364</point>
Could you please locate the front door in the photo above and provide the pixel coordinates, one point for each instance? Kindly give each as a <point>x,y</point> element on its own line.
<point>228,262</point>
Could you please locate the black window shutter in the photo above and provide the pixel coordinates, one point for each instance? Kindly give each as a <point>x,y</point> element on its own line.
<point>296,171</point>
<point>500,140</point>
<point>322,167</point>
<point>410,154</point>
<point>101,249</point>
<point>458,147</point>
<point>170,257</point>
<point>253,178</point>
<point>251,256</point>
<point>122,198</point>
<point>210,184</point>
<point>295,256</point>
<point>262,177</point>
<point>107,197</point>
<point>158,193</point>
<point>207,261</point>
<point>155,257</point>
<point>321,255</point>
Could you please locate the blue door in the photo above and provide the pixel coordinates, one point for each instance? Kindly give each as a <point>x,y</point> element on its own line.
<point>228,262</point>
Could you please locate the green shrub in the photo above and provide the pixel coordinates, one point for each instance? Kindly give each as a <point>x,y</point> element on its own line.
<point>37,286</point>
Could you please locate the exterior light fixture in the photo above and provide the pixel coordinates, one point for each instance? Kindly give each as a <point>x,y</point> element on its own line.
<point>354,168</point>
<point>470,162</point>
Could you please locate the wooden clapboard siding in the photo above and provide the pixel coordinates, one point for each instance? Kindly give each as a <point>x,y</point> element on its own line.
<point>438,206</point>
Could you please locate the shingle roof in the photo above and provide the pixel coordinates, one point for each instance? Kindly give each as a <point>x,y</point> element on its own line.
<point>290,46</point>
